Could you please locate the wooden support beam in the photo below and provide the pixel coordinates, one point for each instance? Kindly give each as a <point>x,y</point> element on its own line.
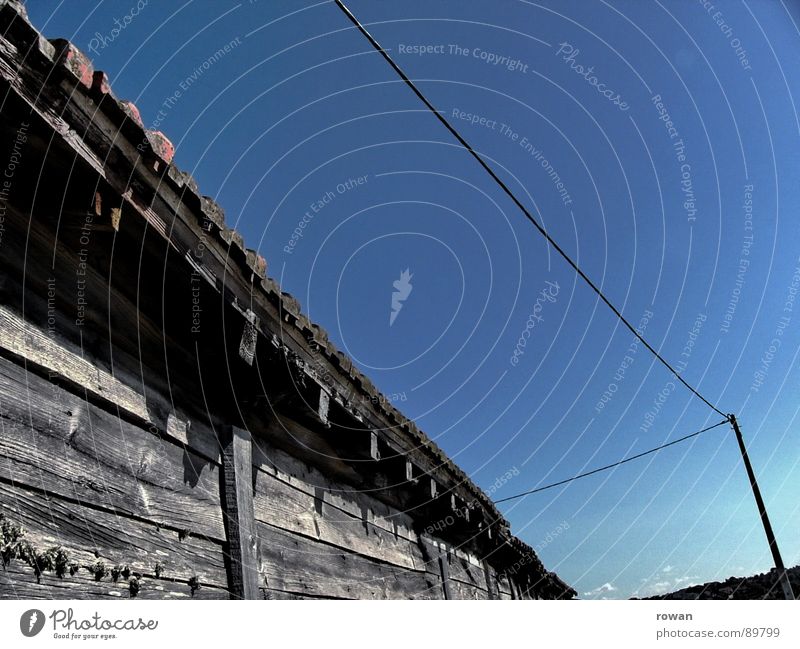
<point>433,552</point>
<point>374,452</point>
<point>522,589</point>
<point>491,581</point>
<point>79,215</point>
<point>410,476</point>
<point>324,406</point>
<point>529,592</point>
<point>459,507</point>
<point>237,496</point>
<point>35,346</point>
<point>444,566</point>
<point>247,345</point>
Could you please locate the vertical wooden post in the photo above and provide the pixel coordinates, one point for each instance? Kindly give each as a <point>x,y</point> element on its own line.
<point>492,586</point>
<point>444,566</point>
<point>432,552</point>
<point>324,407</point>
<point>525,590</point>
<point>410,477</point>
<point>762,510</point>
<point>247,345</point>
<point>237,496</point>
<point>374,450</point>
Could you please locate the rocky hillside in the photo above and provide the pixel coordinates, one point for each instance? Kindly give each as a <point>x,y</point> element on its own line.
<point>763,586</point>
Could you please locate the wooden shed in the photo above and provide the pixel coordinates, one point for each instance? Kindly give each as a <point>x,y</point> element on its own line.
<point>171,424</point>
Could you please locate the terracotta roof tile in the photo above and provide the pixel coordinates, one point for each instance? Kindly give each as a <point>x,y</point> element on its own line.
<point>74,60</point>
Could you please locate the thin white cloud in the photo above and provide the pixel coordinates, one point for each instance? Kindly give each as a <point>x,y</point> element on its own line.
<point>666,585</point>
<point>684,580</point>
<point>600,590</point>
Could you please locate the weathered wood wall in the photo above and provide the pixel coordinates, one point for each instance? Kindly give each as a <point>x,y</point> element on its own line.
<point>108,492</point>
<point>113,494</point>
<point>121,470</point>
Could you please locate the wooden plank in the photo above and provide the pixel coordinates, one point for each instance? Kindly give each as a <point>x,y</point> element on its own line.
<point>51,439</point>
<point>247,344</point>
<point>461,578</point>
<point>25,340</point>
<point>237,472</point>
<point>374,453</point>
<point>290,508</point>
<point>90,534</point>
<point>504,587</point>
<point>295,564</point>
<point>491,581</point>
<point>436,553</point>
<point>466,569</point>
<point>359,503</point>
<point>298,441</point>
<point>460,590</point>
<point>271,593</point>
<point>304,477</point>
<point>324,406</point>
<point>433,490</point>
<point>444,562</point>
<point>525,588</point>
<point>410,472</point>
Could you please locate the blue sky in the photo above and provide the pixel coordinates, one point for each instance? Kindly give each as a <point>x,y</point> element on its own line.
<point>657,142</point>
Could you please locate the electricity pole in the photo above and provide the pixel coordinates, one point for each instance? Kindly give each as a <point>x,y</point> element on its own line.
<point>762,510</point>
